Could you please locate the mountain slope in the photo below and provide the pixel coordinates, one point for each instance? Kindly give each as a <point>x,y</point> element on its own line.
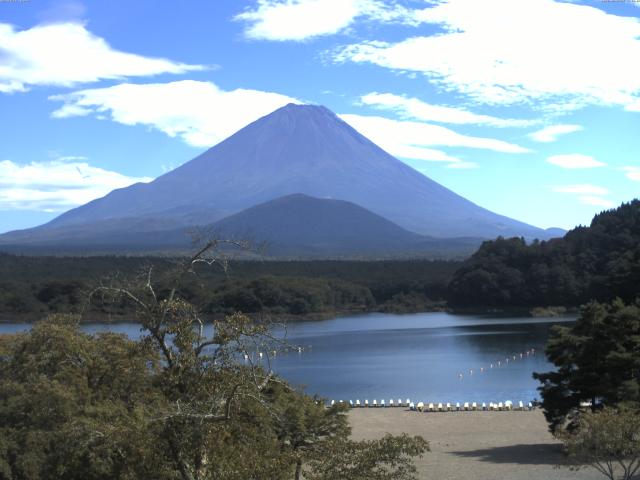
<point>297,148</point>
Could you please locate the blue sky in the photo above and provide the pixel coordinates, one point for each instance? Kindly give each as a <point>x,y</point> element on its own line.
<point>529,108</point>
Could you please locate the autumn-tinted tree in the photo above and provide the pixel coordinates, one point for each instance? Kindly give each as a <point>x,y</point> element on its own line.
<point>608,441</point>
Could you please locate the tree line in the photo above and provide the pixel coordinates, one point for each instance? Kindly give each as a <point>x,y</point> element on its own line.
<point>31,287</point>
<point>599,262</point>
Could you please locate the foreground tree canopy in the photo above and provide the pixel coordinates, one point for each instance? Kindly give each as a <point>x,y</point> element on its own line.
<point>180,403</point>
<point>597,360</point>
<point>599,262</point>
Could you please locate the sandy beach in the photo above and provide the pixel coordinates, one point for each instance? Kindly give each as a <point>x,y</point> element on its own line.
<point>474,445</point>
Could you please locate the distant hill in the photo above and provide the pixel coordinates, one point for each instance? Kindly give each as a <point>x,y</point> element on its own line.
<point>296,149</point>
<point>294,226</point>
<point>599,262</point>
<point>299,225</point>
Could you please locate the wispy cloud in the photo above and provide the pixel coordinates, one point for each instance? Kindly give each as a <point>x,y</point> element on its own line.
<point>587,194</point>
<point>551,133</point>
<point>494,61</point>
<point>199,113</point>
<point>67,54</point>
<point>56,185</point>
<point>597,201</point>
<point>632,173</point>
<point>415,140</point>
<point>574,161</point>
<point>413,108</point>
<point>298,20</point>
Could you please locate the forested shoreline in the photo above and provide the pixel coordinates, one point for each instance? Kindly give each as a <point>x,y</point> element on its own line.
<point>32,287</point>
<point>600,262</point>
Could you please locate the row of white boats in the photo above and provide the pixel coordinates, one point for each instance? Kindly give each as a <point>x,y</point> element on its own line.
<point>508,405</point>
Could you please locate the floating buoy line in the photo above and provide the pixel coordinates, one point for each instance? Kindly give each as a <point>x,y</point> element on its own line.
<point>501,362</point>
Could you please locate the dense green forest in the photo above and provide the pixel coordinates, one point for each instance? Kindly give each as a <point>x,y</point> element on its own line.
<point>599,262</point>
<point>31,286</point>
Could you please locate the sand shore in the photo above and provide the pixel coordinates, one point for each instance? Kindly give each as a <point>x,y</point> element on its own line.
<point>474,445</point>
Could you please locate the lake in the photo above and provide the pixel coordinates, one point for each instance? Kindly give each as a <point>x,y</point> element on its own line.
<point>431,357</point>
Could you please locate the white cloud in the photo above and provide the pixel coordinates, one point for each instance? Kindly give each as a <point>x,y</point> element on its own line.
<point>199,113</point>
<point>56,185</point>
<point>597,201</point>
<point>281,20</point>
<point>632,173</point>
<point>408,139</point>
<point>574,160</point>
<point>66,54</point>
<point>413,108</point>
<point>581,189</point>
<point>552,132</point>
<point>540,52</point>
<point>587,194</point>
<point>202,114</point>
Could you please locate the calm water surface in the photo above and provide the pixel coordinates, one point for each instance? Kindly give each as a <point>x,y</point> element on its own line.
<point>426,356</point>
